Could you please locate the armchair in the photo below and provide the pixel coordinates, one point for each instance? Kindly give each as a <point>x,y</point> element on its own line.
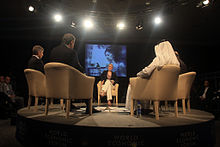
<point>161,86</point>
<point>184,87</point>
<point>36,85</point>
<point>65,82</point>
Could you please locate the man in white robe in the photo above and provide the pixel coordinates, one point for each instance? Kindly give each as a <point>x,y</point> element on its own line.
<point>164,55</point>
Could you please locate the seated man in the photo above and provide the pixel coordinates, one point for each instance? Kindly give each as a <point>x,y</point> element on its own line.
<point>11,94</point>
<point>206,95</point>
<point>164,55</point>
<point>108,79</point>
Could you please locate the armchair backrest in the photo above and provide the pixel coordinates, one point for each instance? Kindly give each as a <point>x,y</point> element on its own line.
<point>64,81</point>
<point>161,85</point>
<point>185,83</point>
<point>36,82</point>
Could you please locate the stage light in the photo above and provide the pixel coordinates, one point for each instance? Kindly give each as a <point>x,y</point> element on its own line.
<point>120,25</point>
<point>147,3</point>
<point>73,24</point>
<point>94,1</point>
<point>157,20</point>
<point>58,17</point>
<point>31,8</point>
<point>139,27</point>
<point>88,23</point>
<point>205,2</point>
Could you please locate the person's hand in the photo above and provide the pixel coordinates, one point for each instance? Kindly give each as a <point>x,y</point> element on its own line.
<point>112,81</point>
<point>11,96</point>
<point>201,97</point>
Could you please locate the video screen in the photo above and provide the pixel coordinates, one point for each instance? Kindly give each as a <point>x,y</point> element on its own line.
<point>98,56</point>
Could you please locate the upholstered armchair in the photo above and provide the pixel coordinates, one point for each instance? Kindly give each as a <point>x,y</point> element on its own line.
<point>161,86</point>
<point>184,87</point>
<point>36,85</point>
<point>65,82</point>
<point>114,92</point>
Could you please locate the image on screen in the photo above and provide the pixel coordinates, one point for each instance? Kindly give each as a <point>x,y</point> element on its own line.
<point>98,56</point>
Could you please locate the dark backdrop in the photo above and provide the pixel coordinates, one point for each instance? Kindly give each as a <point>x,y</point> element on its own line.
<point>201,57</point>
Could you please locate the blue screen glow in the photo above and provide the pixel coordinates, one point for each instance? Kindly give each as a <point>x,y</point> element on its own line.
<point>98,56</point>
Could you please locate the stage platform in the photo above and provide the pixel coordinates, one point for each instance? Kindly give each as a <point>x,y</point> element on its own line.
<point>114,127</point>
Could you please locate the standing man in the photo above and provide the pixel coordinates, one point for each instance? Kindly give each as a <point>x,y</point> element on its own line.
<point>35,61</point>
<point>65,53</point>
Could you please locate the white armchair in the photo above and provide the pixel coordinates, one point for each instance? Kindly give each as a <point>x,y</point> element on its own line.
<point>36,85</point>
<point>161,86</point>
<point>184,87</point>
<point>65,82</point>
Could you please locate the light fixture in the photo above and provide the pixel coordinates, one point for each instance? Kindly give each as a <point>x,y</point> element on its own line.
<point>31,8</point>
<point>120,25</point>
<point>203,3</point>
<point>94,1</point>
<point>157,20</point>
<point>73,24</point>
<point>139,26</point>
<point>147,3</point>
<point>88,24</point>
<point>58,17</point>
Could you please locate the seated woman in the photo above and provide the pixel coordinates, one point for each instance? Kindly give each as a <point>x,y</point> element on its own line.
<point>164,55</point>
<point>108,79</point>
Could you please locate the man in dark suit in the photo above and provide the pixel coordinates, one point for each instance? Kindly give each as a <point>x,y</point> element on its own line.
<point>65,53</point>
<point>183,67</point>
<point>206,96</point>
<point>35,61</point>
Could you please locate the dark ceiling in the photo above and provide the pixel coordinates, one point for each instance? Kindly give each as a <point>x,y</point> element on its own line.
<point>192,30</point>
<point>182,20</point>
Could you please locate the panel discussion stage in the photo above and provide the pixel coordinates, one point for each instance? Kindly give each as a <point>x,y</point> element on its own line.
<point>114,127</point>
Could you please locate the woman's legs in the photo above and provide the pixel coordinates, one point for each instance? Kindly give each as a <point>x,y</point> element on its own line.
<point>107,88</point>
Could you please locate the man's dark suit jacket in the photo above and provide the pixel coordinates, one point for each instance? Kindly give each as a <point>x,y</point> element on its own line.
<point>67,56</point>
<point>104,76</point>
<point>183,67</point>
<point>35,63</point>
<point>209,94</point>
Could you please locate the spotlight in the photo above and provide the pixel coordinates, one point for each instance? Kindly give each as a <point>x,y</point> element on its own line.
<point>120,25</point>
<point>94,1</point>
<point>147,3</point>
<point>73,24</point>
<point>203,3</point>
<point>58,17</point>
<point>88,24</point>
<point>139,27</point>
<point>31,8</point>
<point>157,20</point>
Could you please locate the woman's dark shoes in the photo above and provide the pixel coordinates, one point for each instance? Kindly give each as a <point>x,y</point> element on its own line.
<point>72,108</point>
<point>93,111</point>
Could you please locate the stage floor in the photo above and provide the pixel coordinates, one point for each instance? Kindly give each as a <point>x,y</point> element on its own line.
<point>115,127</point>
